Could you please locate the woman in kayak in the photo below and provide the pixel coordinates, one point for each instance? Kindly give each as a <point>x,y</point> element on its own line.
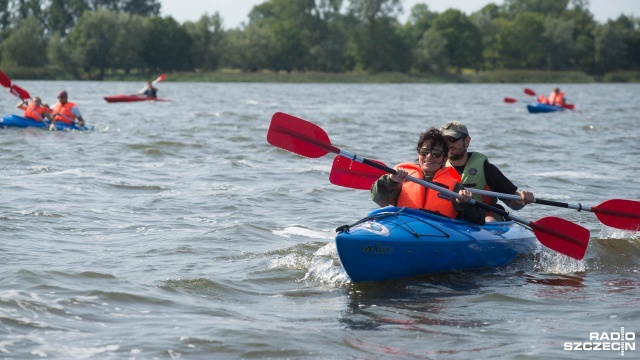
<point>432,156</point>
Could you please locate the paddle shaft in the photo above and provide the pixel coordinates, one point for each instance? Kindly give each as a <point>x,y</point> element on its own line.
<point>578,206</point>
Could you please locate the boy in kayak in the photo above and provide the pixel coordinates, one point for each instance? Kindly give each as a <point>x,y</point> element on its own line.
<point>35,110</point>
<point>432,156</point>
<point>477,172</point>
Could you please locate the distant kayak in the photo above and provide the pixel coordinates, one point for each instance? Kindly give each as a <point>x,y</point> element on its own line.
<point>22,122</point>
<point>537,107</point>
<point>131,98</point>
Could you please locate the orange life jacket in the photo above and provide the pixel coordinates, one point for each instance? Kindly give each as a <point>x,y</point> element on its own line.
<point>35,113</point>
<point>63,113</point>
<point>542,99</point>
<point>417,196</point>
<point>556,99</point>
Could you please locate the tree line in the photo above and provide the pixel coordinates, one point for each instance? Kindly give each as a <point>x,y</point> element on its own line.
<point>94,37</point>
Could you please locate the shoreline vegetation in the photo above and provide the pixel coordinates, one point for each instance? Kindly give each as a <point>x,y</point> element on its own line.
<point>232,75</point>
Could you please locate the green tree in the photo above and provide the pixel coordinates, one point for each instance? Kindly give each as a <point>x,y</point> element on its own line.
<point>558,35</point>
<point>207,35</point>
<point>430,54</point>
<point>140,7</point>
<point>377,42</point>
<point>93,40</point>
<point>25,45</point>
<point>610,47</point>
<point>519,42</point>
<point>247,50</point>
<point>583,48</point>
<point>130,41</point>
<point>59,54</point>
<point>293,27</point>
<point>329,52</point>
<point>548,8</point>
<point>168,46</point>
<point>463,39</point>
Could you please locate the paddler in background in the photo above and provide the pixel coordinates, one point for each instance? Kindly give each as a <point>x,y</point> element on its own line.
<point>66,112</point>
<point>432,156</point>
<point>35,110</point>
<point>556,98</point>
<point>150,90</point>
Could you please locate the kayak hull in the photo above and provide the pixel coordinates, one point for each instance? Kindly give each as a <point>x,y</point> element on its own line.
<point>536,108</point>
<point>130,98</point>
<point>393,243</point>
<point>22,122</point>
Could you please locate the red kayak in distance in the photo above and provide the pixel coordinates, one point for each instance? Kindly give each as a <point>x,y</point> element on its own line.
<point>130,98</point>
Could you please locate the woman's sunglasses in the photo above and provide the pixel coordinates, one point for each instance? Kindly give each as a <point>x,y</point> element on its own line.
<point>434,152</point>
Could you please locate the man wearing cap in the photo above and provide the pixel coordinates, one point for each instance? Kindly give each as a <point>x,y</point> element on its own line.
<point>66,112</point>
<point>477,172</point>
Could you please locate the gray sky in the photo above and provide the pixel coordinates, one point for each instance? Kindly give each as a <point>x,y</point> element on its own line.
<point>234,12</point>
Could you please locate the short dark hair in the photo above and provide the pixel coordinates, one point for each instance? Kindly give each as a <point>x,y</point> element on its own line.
<point>434,137</point>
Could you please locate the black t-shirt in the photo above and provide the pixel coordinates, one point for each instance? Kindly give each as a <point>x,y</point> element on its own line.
<point>496,180</point>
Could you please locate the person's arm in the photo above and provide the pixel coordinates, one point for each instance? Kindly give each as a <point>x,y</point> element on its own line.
<point>499,183</point>
<point>76,112</point>
<point>385,191</point>
<point>22,105</point>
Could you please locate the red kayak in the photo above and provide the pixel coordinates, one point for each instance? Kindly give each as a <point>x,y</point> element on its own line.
<point>131,98</point>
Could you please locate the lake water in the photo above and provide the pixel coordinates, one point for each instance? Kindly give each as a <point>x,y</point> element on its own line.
<point>174,230</point>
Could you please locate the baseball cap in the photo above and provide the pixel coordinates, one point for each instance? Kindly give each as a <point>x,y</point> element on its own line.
<point>455,129</point>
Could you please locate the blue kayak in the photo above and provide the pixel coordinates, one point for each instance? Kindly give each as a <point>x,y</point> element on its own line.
<point>393,243</point>
<point>22,122</point>
<point>535,108</point>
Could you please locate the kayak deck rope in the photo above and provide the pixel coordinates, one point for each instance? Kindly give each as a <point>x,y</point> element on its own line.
<point>405,226</point>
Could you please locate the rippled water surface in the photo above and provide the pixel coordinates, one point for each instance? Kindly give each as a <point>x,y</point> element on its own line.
<point>174,230</point>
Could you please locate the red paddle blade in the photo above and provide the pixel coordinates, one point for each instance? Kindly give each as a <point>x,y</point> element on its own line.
<point>510,100</point>
<point>529,92</point>
<point>619,214</point>
<point>352,174</point>
<point>160,78</point>
<point>569,106</point>
<point>299,136</point>
<point>4,79</point>
<point>19,92</point>
<point>562,236</point>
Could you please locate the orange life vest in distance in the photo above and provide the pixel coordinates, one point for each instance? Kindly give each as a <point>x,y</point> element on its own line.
<point>417,196</point>
<point>63,113</point>
<point>556,99</point>
<point>35,113</point>
<point>542,99</point>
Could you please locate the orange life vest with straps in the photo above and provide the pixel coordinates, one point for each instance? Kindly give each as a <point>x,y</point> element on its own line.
<point>63,113</point>
<point>417,196</point>
<point>542,99</point>
<point>35,112</point>
<point>556,99</point>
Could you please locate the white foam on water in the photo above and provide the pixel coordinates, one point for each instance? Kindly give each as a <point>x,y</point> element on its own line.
<point>301,231</point>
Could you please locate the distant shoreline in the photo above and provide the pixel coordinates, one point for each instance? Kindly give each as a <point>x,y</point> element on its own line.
<point>468,76</point>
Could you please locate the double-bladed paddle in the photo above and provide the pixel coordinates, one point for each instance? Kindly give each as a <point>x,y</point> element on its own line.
<point>13,88</point>
<point>307,139</point>
<point>617,213</point>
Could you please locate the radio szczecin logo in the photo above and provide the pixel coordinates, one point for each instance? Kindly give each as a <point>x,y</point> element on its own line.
<point>605,341</point>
